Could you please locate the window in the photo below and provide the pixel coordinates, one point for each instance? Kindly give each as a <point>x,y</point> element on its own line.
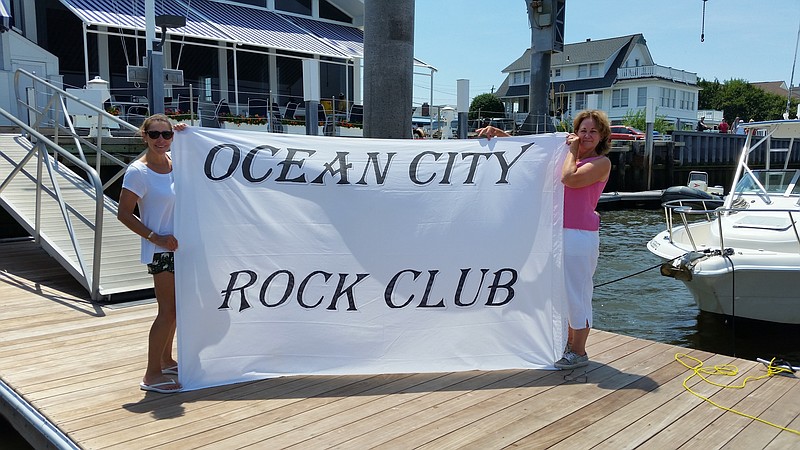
<point>294,6</point>
<point>558,72</point>
<point>582,100</point>
<point>588,70</point>
<point>261,3</point>
<point>520,78</point>
<point>668,97</point>
<point>330,11</point>
<point>619,98</point>
<point>687,100</point>
<point>641,96</point>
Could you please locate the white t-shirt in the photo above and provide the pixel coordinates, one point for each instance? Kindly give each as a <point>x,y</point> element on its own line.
<point>156,192</point>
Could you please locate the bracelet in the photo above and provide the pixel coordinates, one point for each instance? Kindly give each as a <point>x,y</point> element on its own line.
<point>150,235</point>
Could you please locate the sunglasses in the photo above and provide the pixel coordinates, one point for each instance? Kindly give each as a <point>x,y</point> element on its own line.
<point>155,134</point>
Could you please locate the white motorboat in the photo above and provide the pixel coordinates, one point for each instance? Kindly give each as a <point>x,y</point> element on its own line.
<point>743,258</point>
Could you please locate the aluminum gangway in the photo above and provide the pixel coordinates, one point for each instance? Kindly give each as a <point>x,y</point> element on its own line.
<point>58,197</point>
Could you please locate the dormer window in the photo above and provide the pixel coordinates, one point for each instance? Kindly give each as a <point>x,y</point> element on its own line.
<point>589,70</point>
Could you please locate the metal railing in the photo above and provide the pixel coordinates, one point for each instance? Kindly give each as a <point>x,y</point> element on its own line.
<point>688,214</point>
<point>54,118</point>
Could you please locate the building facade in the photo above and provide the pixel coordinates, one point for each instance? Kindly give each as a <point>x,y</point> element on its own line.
<point>233,50</point>
<point>616,75</point>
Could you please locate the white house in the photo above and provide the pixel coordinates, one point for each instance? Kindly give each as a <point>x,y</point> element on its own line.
<point>616,75</point>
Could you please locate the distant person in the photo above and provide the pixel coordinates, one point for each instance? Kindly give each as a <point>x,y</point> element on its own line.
<point>701,124</point>
<point>738,128</point>
<point>735,124</point>
<point>149,183</point>
<point>723,127</point>
<point>584,174</point>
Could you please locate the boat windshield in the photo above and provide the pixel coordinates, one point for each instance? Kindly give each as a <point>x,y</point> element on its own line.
<point>774,181</point>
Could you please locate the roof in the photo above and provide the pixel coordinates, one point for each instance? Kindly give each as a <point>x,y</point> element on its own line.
<point>605,49</point>
<point>589,51</point>
<point>778,88</point>
<point>229,23</point>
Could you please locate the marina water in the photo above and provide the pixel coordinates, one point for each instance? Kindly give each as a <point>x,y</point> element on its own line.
<point>651,306</point>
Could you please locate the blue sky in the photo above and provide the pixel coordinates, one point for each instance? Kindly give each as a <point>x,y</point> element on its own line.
<point>749,39</point>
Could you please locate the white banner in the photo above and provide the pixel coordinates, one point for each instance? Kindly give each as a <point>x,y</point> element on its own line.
<point>315,255</point>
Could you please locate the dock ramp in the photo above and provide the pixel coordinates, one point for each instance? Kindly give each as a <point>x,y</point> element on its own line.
<point>59,199</point>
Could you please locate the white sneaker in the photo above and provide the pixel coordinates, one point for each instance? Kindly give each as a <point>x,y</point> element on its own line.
<point>572,360</point>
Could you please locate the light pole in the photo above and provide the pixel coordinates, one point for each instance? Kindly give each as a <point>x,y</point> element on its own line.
<point>155,62</point>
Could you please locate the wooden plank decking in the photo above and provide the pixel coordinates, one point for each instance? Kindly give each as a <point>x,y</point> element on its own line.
<point>79,365</point>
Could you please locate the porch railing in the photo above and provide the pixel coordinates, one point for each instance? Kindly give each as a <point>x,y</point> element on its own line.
<point>656,71</point>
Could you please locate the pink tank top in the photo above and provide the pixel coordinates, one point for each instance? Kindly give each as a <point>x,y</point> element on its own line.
<point>579,204</point>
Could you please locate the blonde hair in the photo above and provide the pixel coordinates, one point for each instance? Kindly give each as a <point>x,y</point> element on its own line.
<point>602,124</point>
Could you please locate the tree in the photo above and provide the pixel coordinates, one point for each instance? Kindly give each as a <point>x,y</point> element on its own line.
<point>486,105</point>
<point>637,119</point>
<point>738,98</point>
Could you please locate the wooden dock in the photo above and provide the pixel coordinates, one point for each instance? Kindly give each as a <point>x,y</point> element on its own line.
<point>79,364</point>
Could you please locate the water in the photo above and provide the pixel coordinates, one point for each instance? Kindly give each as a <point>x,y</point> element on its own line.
<point>651,306</point>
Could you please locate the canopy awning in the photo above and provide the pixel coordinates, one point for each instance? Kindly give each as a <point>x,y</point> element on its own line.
<point>228,23</point>
<point>5,16</point>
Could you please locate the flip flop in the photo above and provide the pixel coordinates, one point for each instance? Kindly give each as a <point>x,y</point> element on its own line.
<point>170,370</point>
<point>158,387</point>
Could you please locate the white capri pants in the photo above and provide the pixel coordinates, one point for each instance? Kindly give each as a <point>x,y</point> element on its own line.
<point>581,250</point>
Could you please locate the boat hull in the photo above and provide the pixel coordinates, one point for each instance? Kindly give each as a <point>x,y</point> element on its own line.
<point>743,286</point>
<point>751,283</point>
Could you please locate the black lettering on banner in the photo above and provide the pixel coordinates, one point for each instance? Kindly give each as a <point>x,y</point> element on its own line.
<point>247,164</point>
<point>232,281</point>
<point>348,291</point>
<point>292,165</point>
<point>302,288</point>
<point>389,292</point>
<point>373,160</point>
<point>451,160</point>
<point>341,161</point>
<point>424,302</point>
<point>473,166</point>
<point>505,166</point>
<point>460,288</point>
<point>286,292</point>
<point>289,162</point>
<point>414,167</point>
<point>508,286</point>
<point>212,155</point>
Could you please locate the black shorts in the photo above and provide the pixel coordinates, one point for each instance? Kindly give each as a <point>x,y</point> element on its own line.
<point>162,262</point>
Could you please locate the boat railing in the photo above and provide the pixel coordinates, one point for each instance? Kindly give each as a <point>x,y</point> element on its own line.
<point>690,211</point>
<point>44,105</point>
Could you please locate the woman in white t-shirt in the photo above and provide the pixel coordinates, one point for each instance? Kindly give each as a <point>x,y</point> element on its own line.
<point>149,183</point>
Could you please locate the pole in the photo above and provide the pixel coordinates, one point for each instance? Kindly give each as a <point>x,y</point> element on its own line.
<point>388,68</point>
<point>462,91</point>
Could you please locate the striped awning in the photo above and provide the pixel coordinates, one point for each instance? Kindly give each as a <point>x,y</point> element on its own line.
<point>5,16</point>
<point>228,23</point>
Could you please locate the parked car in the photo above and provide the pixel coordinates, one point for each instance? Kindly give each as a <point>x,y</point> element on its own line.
<point>626,133</point>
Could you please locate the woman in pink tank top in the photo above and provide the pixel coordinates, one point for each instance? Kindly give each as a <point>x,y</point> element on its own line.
<point>584,175</point>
